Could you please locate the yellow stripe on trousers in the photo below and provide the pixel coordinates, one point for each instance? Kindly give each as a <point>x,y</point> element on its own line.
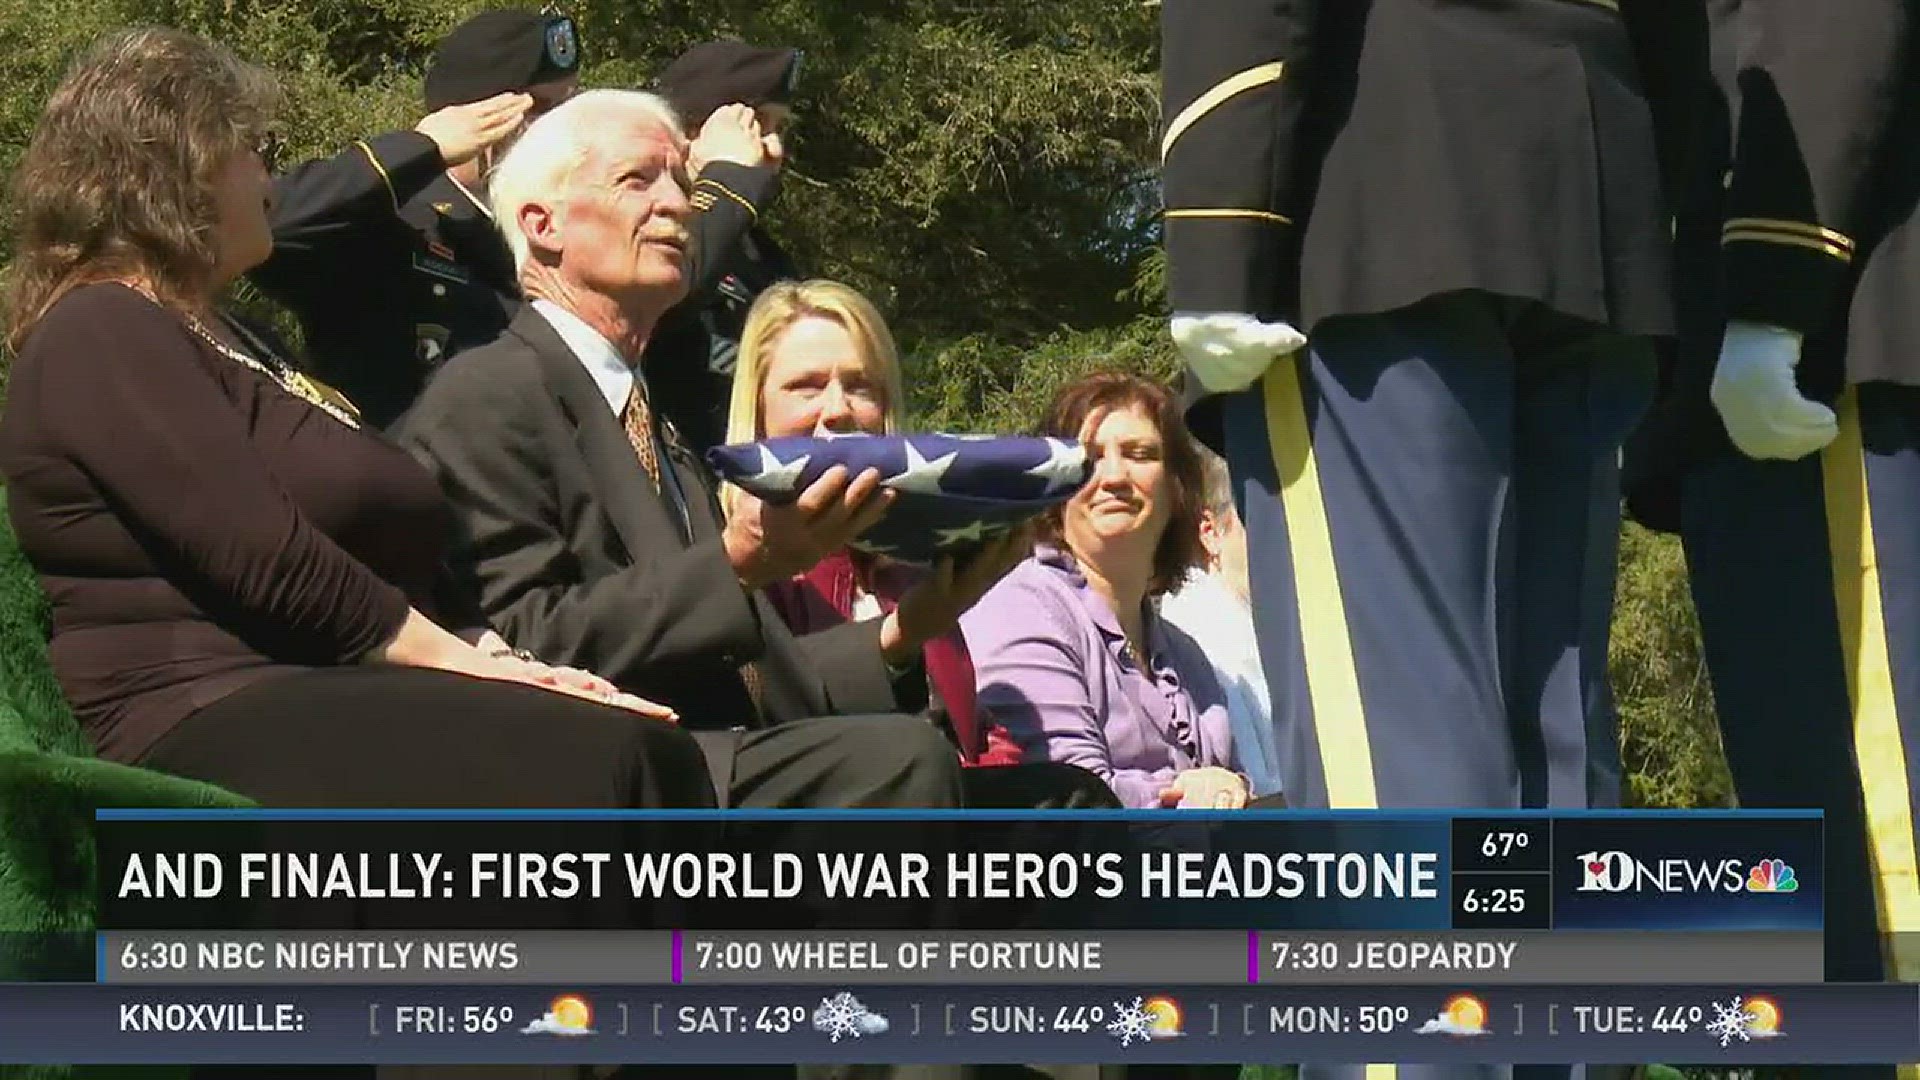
<point>1878,746</point>
<point>1333,685</point>
<point>1382,1072</point>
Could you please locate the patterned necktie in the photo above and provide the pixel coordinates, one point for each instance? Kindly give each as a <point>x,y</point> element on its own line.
<point>637,419</point>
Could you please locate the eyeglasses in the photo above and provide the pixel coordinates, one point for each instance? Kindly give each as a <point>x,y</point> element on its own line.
<point>268,145</point>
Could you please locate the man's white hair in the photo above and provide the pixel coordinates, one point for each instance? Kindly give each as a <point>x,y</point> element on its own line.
<point>1216,488</point>
<point>541,164</point>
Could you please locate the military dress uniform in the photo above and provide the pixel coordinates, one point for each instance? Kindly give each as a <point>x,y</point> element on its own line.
<point>1806,573</point>
<point>390,265</point>
<point>695,348</point>
<point>1461,204</point>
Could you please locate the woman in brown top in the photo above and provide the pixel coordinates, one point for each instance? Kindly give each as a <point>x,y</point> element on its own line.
<point>247,585</point>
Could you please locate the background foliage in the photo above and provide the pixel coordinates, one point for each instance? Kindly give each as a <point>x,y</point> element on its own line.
<point>982,168</point>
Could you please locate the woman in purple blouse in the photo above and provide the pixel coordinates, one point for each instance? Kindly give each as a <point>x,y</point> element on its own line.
<point>1068,651</point>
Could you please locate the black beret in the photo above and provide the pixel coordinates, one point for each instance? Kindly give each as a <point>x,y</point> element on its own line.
<point>498,52</point>
<point>724,72</point>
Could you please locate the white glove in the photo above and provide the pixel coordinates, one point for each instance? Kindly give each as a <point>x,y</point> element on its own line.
<point>1230,352</point>
<point>1753,389</point>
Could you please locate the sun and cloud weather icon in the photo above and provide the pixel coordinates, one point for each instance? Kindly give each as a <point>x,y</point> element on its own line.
<point>1166,1018</point>
<point>1771,875</point>
<point>568,1014</point>
<point>842,1016</point>
<point>1463,1014</point>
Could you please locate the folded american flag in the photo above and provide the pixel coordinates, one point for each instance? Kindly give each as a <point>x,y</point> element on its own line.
<point>955,491</point>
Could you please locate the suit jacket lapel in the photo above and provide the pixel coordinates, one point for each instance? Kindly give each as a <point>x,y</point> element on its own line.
<point>703,501</point>
<point>640,516</point>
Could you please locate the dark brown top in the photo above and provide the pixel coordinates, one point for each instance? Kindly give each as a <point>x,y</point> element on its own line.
<point>196,527</point>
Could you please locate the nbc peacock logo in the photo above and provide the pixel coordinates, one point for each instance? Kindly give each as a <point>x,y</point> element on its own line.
<point>1771,876</point>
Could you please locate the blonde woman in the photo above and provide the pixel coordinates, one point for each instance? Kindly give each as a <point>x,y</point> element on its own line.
<point>816,358</point>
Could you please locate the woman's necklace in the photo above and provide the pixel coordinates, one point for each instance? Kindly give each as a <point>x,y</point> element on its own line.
<point>285,375</point>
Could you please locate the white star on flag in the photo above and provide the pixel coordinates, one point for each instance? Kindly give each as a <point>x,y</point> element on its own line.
<point>921,476</point>
<point>777,477</point>
<point>1065,465</point>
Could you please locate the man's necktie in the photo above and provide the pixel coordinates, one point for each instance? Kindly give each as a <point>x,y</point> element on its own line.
<point>637,419</point>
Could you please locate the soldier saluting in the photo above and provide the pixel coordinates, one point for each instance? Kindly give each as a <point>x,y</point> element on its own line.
<point>386,251</point>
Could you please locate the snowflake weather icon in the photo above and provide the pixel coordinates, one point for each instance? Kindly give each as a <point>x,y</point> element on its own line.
<point>1771,875</point>
<point>1131,1023</point>
<point>1146,1020</point>
<point>1746,1019</point>
<point>842,1016</point>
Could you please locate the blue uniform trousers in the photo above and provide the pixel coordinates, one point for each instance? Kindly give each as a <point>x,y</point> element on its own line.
<point>1432,502</point>
<point>1432,505</point>
<point>1806,575</point>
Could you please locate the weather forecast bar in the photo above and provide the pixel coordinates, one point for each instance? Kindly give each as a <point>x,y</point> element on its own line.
<point>1466,1022</point>
<point>880,958</point>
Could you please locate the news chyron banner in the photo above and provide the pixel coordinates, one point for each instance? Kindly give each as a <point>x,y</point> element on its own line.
<point>741,937</point>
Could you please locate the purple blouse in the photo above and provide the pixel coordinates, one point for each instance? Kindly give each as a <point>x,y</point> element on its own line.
<point>1053,666</point>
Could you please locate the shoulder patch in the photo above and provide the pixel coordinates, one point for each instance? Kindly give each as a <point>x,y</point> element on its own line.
<point>430,344</point>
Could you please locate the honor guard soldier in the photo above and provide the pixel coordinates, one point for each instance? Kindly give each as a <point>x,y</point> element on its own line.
<point>1792,445</point>
<point>737,98</point>
<point>386,251</point>
<point>1418,250</point>
<point>1417,253</point>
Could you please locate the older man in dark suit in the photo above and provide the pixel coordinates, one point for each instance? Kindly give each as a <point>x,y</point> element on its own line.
<point>593,534</point>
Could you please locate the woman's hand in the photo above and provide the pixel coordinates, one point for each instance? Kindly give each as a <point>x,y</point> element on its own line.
<point>1211,788</point>
<point>935,605</point>
<point>420,642</point>
<point>576,679</point>
<point>572,681</point>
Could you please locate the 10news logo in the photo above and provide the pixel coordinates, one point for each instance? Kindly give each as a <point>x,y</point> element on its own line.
<point>1619,872</point>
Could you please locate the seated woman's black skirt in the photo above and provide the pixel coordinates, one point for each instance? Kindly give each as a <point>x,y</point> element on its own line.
<point>402,737</point>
